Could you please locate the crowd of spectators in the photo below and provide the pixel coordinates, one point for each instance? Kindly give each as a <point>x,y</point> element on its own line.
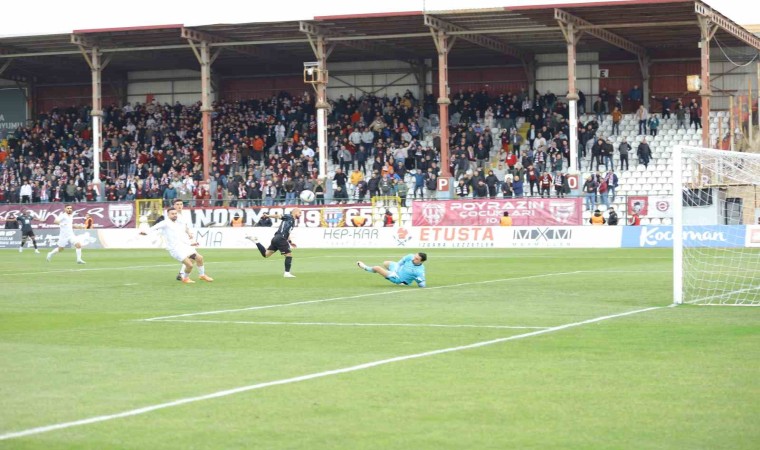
<point>264,150</point>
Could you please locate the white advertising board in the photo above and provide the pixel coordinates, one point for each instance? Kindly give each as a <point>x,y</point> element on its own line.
<point>396,237</point>
<point>753,236</point>
<point>518,237</point>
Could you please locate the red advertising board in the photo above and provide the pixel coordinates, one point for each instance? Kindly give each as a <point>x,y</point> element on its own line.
<point>104,215</point>
<point>524,212</point>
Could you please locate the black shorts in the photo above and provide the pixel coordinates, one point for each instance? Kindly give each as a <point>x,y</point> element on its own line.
<point>29,234</point>
<point>279,244</point>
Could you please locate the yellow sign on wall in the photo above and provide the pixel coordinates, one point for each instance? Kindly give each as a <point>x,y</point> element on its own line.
<point>693,83</point>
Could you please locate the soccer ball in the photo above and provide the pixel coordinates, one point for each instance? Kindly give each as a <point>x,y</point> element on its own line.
<point>307,196</point>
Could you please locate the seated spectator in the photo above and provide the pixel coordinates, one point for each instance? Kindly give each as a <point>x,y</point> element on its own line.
<point>597,218</point>
<point>505,220</point>
<point>612,217</point>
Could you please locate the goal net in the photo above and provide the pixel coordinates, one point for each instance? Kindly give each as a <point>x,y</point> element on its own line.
<point>716,233</point>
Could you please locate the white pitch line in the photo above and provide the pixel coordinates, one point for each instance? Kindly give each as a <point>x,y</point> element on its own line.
<point>97,269</point>
<point>339,324</point>
<point>93,269</point>
<point>350,297</point>
<point>312,376</point>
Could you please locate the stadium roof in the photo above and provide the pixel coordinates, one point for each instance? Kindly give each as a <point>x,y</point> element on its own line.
<point>661,28</point>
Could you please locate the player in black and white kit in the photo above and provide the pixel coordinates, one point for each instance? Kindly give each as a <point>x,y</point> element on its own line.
<point>281,240</point>
<point>25,220</point>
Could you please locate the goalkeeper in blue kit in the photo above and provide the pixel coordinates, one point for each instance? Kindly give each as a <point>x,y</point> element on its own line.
<point>407,271</point>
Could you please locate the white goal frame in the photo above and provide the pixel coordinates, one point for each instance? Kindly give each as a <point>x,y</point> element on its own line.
<point>677,208</point>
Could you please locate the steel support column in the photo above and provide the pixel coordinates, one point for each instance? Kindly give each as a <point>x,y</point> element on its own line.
<point>594,30</point>
<point>318,39</point>
<point>92,54</point>
<point>529,65</point>
<point>203,54</point>
<point>97,116</point>
<point>708,30</point>
<point>443,45</point>
<point>323,107</point>
<point>206,108</point>
<point>645,63</point>
<point>572,38</point>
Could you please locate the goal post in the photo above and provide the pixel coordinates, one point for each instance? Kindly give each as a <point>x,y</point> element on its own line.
<point>716,234</point>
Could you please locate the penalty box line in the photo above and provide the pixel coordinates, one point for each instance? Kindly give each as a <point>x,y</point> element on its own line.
<point>312,376</point>
<point>348,324</point>
<point>351,297</point>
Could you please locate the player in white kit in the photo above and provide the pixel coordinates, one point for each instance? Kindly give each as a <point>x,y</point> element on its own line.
<point>180,246</point>
<point>178,205</point>
<point>66,236</point>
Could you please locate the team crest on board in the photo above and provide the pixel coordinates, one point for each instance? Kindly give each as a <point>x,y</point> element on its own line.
<point>433,212</point>
<point>120,214</point>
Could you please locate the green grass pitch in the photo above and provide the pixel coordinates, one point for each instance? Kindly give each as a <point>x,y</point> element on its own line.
<point>500,351</point>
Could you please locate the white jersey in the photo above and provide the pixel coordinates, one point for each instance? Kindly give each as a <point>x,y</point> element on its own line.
<point>66,223</point>
<point>176,238</point>
<point>173,231</point>
<point>185,225</point>
<point>181,220</point>
<point>66,236</point>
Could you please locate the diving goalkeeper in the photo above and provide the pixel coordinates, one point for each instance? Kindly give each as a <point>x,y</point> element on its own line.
<point>407,271</point>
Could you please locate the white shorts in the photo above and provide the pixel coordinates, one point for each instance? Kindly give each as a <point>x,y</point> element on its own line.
<point>180,253</point>
<point>69,240</point>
